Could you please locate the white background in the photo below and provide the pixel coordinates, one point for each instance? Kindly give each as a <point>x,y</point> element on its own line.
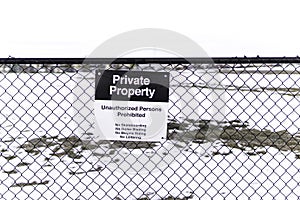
<point>56,28</point>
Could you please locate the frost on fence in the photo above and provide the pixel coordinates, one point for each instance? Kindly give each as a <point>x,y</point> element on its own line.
<point>232,133</point>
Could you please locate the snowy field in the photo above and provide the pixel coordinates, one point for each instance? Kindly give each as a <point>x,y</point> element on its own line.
<point>48,150</point>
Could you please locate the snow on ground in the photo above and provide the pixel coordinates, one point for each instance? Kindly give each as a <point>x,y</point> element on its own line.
<point>218,172</point>
<point>233,176</point>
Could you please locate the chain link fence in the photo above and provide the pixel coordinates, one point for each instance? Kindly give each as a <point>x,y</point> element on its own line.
<point>233,132</point>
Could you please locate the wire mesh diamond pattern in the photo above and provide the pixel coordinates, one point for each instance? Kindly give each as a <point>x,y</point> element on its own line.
<point>232,133</point>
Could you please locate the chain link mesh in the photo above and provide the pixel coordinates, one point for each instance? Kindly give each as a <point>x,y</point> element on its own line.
<point>48,149</point>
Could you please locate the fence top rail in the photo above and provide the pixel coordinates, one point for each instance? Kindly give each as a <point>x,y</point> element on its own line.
<point>175,60</point>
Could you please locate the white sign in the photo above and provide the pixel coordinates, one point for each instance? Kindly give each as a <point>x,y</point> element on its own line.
<point>131,105</point>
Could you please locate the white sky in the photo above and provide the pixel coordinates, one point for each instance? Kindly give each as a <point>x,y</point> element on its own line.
<point>57,28</point>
